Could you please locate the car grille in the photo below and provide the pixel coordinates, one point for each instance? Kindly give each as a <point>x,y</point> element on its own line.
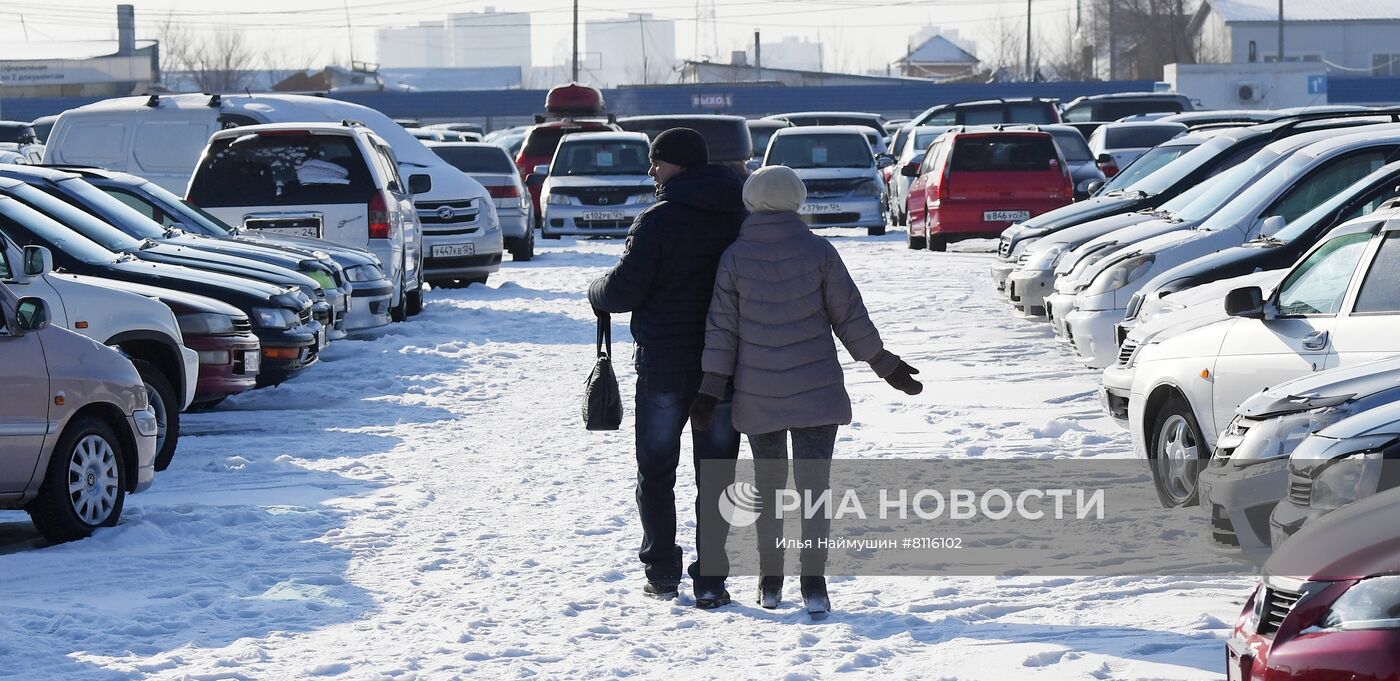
<point>320,295</point>
<point>1277,604</point>
<point>1126,352</point>
<point>1299,488</point>
<point>833,218</point>
<point>1004,248</point>
<point>456,214</point>
<point>305,315</point>
<point>603,224</point>
<point>1222,531</point>
<point>242,325</point>
<point>831,187</point>
<point>1121,332</point>
<point>1223,454</point>
<point>603,196</point>
<point>467,261</point>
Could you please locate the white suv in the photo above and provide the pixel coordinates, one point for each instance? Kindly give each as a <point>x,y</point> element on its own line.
<point>1339,305</point>
<point>337,182</point>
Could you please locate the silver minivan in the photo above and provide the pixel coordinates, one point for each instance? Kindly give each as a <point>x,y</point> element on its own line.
<point>76,432</point>
<point>844,187</point>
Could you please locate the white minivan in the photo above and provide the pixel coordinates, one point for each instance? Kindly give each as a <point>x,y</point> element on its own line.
<point>160,138</point>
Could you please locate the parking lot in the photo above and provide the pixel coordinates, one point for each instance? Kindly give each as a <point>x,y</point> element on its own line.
<point>428,504</point>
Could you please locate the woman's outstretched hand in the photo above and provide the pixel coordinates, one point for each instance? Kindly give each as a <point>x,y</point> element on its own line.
<point>702,411</point>
<point>902,378</point>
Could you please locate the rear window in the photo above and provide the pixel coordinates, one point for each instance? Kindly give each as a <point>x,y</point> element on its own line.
<point>17,134</point>
<point>1138,137</point>
<point>1072,146</point>
<point>1032,112</point>
<point>728,139</point>
<point>833,150</point>
<point>1003,153</point>
<point>476,159</point>
<point>862,121</point>
<point>282,170</point>
<point>601,158</point>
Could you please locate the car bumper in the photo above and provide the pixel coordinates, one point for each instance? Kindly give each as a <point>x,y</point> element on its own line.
<point>1237,502</point>
<point>190,359</point>
<point>515,224</point>
<point>1354,655</point>
<point>223,362</point>
<point>285,354</point>
<point>1091,333</point>
<point>1289,517</point>
<point>145,449</point>
<point>484,256</point>
<point>1115,393</point>
<point>369,305</point>
<point>844,212</point>
<point>565,220</point>
<point>1057,307</point>
<point>1027,290</point>
<point>1000,272</point>
<point>339,300</point>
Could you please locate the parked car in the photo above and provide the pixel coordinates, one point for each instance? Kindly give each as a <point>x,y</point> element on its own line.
<point>1084,170</point>
<point>318,180</point>
<point>141,328</point>
<point>1325,607</point>
<point>874,122</point>
<point>1250,471</point>
<point>911,155</point>
<point>596,185</point>
<point>280,317</point>
<point>976,182</point>
<point>539,145</point>
<point>1115,145</point>
<point>20,138</point>
<point>1193,119</point>
<point>161,138</point>
<point>1306,179</point>
<point>728,138</point>
<point>314,277</point>
<point>1088,112</point>
<point>428,135</point>
<point>760,131</point>
<point>493,168</point>
<point>1336,307</point>
<point>1028,110</point>
<point>42,126</point>
<point>76,434</point>
<point>471,128</point>
<point>840,172</point>
<point>363,292</point>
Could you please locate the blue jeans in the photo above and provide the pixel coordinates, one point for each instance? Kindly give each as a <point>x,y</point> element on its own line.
<point>661,418</point>
<point>811,471</point>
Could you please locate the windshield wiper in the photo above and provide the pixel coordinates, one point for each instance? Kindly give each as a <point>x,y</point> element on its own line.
<point>148,243</point>
<point>127,257</point>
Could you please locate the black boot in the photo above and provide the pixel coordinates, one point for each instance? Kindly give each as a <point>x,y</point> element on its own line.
<point>711,596</point>
<point>814,596</point>
<point>662,590</point>
<point>770,591</point>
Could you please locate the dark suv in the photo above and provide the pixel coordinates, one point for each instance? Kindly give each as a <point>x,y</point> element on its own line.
<point>1032,110</point>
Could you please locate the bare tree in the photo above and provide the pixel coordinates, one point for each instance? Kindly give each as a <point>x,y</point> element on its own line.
<point>1063,50</point>
<point>1005,39</point>
<point>217,62</point>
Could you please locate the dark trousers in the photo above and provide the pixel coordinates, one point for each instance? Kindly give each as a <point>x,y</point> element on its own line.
<point>661,417</point>
<point>811,453</point>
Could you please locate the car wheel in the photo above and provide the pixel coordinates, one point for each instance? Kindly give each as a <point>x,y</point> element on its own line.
<point>207,404</point>
<point>399,312</point>
<point>415,301</point>
<point>524,249</point>
<point>915,243</point>
<point>475,280</point>
<point>1176,452</point>
<point>937,243</point>
<point>875,231</point>
<point>161,394</point>
<point>85,483</point>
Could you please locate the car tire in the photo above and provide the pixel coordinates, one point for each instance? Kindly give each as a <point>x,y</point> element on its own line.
<point>161,394</point>
<point>937,243</point>
<point>547,235</point>
<point>524,249</point>
<point>1176,451</point>
<point>207,404</point>
<point>90,445</point>
<point>875,231</point>
<point>399,312</point>
<point>476,280</point>
<point>415,301</point>
<point>915,243</point>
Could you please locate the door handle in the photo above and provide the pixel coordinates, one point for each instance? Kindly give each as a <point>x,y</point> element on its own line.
<point>1315,341</point>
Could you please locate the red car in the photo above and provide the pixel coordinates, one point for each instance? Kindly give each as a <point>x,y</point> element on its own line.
<point>1328,606</point>
<point>975,182</point>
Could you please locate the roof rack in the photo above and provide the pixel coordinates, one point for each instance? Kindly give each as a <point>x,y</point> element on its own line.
<point>153,101</point>
<point>215,100</point>
<point>351,123</point>
<point>1291,122</point>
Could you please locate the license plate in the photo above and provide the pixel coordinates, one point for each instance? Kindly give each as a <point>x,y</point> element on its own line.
<point>308,232</point>
<point>604,216</point>
<point>1005,215</point>
<point>252,361</point>
<point>321,338</point>
<point>820,208</point>
<point>453,250</point>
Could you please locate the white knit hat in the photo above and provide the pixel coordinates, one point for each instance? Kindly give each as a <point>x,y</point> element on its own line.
<point>774,189</point>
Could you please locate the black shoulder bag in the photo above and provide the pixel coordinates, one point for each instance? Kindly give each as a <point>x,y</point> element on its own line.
<point>602,403</point>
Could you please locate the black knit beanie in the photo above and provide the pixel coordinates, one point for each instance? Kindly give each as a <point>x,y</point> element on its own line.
<point>681,146</point>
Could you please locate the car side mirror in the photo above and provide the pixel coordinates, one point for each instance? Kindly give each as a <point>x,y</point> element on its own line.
<point>38,261</point>
<point>542,169</point>
<point>31,314</point>
<point>534,180</point>
<point>910,170</point>
<point>1104,158</point>
<point>884,161</point>
<point>1093,187</point>
<point>1245,302</point>
<point>420,184</point>
<point>1272,225</point>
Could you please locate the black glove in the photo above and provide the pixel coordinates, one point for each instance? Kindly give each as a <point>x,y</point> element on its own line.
<point>902,378</point>
<point>702,411</point>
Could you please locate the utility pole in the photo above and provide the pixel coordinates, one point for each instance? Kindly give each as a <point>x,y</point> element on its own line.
<point>1280,31</point>
<point>642,29</point>
<point>757,56</point>
<point>575,59</point>
<point>1030,76</point>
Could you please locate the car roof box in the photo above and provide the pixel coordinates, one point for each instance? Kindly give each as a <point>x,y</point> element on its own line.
<point>574,100</point>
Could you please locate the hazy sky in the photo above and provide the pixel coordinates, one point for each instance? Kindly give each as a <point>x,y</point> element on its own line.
<point>857,34</point>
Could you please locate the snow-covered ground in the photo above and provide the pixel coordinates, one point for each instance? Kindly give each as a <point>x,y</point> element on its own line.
<point>427,505</point>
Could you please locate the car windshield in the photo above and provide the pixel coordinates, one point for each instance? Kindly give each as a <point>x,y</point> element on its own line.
<point>112,211</point>
<point>76,219</point>
<point>1001,153</point>
<point>1223,187</point>
<point>820,150</point>
<point>192,218</point>
<point>601,158</point>
<point>17,134</point>
<point>19,222</point>
<point>1300,196</point>
<point>728,137</point>
<point>760,139</point>
<point>476,159</point>
<point>1071,145</point>
<point>1138,136</point>
<point>281,168</point>
<point>1163,167</point>
<point>1385,179</point>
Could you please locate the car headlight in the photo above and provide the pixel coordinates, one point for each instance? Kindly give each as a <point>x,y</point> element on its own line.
<point>1121,274</point>
<point>363,273</point>
<point>1018,245</point>
<point>1277,437</point>
<point>556,199</point>
<point>1047,258</point>
<point>1346,479</point>
<point>274,317</point>
<point>204,324</point>
<point>871,188</point>
<point>1369,604</point>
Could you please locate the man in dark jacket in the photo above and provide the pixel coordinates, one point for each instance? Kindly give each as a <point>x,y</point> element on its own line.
<point>665,278</point>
